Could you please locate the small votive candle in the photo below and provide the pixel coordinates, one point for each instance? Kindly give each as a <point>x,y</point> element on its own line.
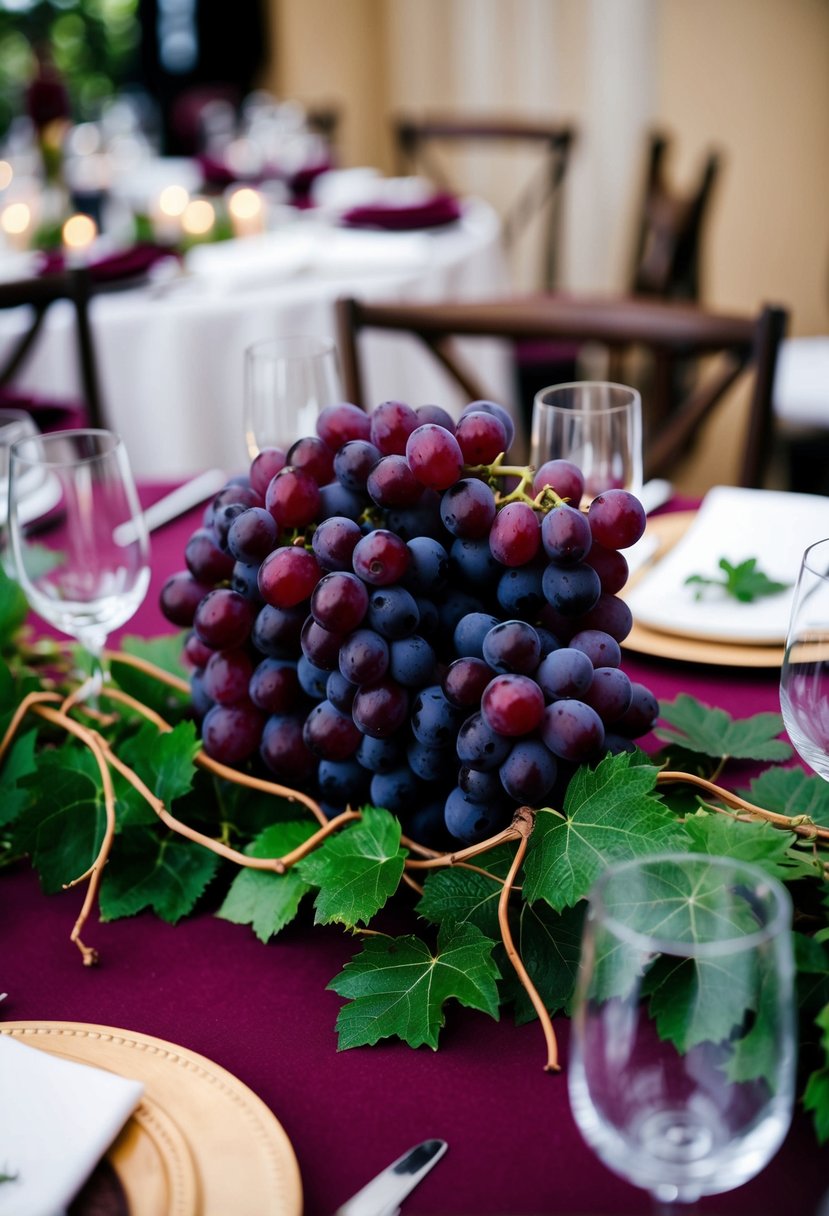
<point>6,174</point>
<point>79,233</point>
<point>16,223</point>
<point>168,212</point>
<point>246,208</point>
<point>198,218</point>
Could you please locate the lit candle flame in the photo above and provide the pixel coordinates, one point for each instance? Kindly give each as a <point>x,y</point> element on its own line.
<point>198,217</point>
<point>79,232</point>
<point>173,200</point>
<point>16,218</point>
<point>245,204</point>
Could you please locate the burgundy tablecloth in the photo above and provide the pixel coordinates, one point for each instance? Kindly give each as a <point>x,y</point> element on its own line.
<point>263,1012</point>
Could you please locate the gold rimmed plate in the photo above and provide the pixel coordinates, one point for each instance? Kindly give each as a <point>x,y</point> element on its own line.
<point>667,530</point>
<point>200,1142</point>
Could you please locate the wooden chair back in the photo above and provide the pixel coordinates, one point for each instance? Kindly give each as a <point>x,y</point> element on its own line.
<point>421,146</point>
<point>39,295</point>
<point>739,346</point>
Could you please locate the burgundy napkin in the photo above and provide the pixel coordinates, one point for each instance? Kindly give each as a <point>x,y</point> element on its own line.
<point>124,264</point>
<point>433,213</point>
<point>50,415</point>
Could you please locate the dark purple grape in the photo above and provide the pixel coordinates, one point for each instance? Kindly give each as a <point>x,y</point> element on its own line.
<point>381,558</point>
<point>234,495</point>
<point>320,645</point>
<point>435,720</point>
<point>274,686</point>
<point>512,705</point>
<point>520,591</point>
<point>276,631</point>
<point>481,436</point>
<point>265,466</point>
<point>601,649</point>
<point>340,691</point>
<point>364,657</point>
<point>611,615</point>
<point>470,631</point>
<point>354,462</point>
<point>468,508</point>
<point>481,747</point>
<point>512,646</point>
<point>423,519</point>
<point>492,407</point>
<point>391,483</point>
<point>200,700</point>
<point>434,456</point>
<point>454,606</point>
<point>329,733</point>
<point>313,680</point>
<point>609,693</point>
<point>343,782</point>
<point>205,560</point>
<point>472,821</point>
<point>393,613</point>
<point>314,457</point>
<point>610,565</point>
<point>380,709</point>
<point>565,534</point>
<point>337,424</point>
<point>428,569</point>
<point>284,750</point>
<point>195,651</point>
<point>223,619</point>
<point>392,422</point>
<point>515,536</point>
<point>617,519</point>
<point>227,676</point>
<point>231,733</point>
<point>412,662</point>
<point>381,755</point>
<point>529,772</point>
<point>571,590</point>
<point>573,730</point>
<point>252,535</point>
<point>396,790</point>
<point>430,763</point>
<point>181,596</point>
<point>245,579</point>
<point>464,682</point>
<point>337,500</point>
<point>562,476</point>
<point>471,564</point>
<point>436,414</point>
<point>481,786</point>
<point>640,715</point>
<point>288,576</point>
<point>339,602</point>
<point>333,542</point>
<point>566,672</point>
<point>293,498</point>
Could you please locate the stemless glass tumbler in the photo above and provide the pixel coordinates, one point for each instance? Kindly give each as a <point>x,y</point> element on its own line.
<point>595,424</point>
<point>287,382</point>
<point>80,575</point>
<point>682,1060</point>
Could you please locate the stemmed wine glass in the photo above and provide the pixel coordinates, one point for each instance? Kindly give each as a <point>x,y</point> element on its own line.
<point>804,677</point>
<point>595,424</point>
<point>682,1058</point>
<point>89,571</point>
<point>288,381</point>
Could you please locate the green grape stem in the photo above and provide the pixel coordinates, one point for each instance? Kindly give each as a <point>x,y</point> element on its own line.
<point>544,501</point>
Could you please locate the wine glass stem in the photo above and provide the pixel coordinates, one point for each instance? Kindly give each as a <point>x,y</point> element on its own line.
<point>93,642</point>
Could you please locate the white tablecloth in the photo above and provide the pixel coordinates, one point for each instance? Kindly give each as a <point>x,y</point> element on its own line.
<point>170,356</point>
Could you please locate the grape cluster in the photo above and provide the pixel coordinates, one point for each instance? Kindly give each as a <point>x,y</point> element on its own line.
<point>389,612</point>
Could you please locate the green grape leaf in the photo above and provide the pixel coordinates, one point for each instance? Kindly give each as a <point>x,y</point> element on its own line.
<point>816,1096</point>
<point>791,791</point>
<point>811,958</point>
<point>266,901</point>
<point>715,733</point>
<point>398,986</point>
<point>549,944</point>
<point>463,895</point>
<point>163,760</point>
<point>164,652</point>
<point>356,870</point>
<point>743,582</point>
<point>62,827</point>
<point>610,813</point>
<point>755,1055</point>
<point>157,870</point>
<point>760,843</point>
<point>19,763</point>
<point>13,608</point>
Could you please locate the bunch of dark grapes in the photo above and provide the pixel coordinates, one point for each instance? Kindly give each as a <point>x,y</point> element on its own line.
<point>377,616</point>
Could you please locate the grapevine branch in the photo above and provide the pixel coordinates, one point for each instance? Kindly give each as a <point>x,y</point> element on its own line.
<point>801,825</point>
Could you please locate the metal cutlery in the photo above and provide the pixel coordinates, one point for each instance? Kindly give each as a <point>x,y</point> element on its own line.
<point>384,1194</point>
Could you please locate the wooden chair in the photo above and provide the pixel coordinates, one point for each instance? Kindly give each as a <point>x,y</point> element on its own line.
<point>741,344</point>
<point>667,252</point>
<point>422,145</point>
<point>39,295</point>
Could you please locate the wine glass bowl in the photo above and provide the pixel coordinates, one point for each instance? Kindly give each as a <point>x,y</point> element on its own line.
<point>595,424</point>
<point>79,576</point>
<point>804,676</point>
<point>288,380</point>
<point>682,1061</point>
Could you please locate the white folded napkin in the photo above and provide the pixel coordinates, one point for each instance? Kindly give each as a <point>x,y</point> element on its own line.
<point>57,1119</point>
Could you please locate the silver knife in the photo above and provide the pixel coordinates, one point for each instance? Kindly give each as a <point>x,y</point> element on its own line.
<point>176,503</point>
<point>384,1194</point>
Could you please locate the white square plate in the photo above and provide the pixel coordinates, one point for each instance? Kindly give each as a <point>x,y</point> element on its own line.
<point>737,524</point>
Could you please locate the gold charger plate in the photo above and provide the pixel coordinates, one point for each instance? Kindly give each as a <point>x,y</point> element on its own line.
<point>200,1142</point>
<point>668,529</point>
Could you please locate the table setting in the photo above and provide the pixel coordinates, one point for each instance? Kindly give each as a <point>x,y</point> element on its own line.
<point>224,881</point>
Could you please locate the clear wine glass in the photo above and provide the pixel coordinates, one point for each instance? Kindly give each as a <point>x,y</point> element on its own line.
<point>804,676</point>
<point>682,1058</point>
<point>89,571</point>
<point>597,425</point>
<point>287,382</point>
